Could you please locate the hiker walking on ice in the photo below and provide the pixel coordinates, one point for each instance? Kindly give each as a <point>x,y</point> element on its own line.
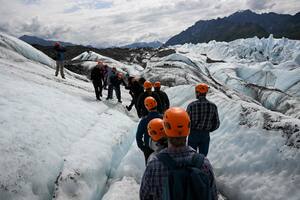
<point>142,136</point>
<point>116,79</point>
<point>97,78</point>
<point>141,109</point>
<point>135,89</point>
<point>180,164</point>
<point>162,96</point>
<point>204,119</point>
<point>158,136</point>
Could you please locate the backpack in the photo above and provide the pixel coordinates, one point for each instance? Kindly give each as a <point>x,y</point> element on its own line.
<point>185,180</point>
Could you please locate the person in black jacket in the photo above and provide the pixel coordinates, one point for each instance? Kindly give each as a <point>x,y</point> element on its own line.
<point>162,95</point>
<point>60,50</point>
<point>97,77</point>
<point>141,109</point>
<point>135,89</point>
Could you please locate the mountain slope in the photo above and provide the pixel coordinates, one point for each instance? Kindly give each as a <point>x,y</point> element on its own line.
<point>10,45</point>
<point>240,25</point>
<point>155,44</point>
<point>56,140</point>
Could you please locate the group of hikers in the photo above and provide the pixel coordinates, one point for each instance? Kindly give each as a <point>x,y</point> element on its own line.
<point>104,77</point>
<point>139,88</point>
<point>175,143</point>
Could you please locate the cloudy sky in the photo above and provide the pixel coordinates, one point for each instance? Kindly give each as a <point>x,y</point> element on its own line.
<point>119,22</point>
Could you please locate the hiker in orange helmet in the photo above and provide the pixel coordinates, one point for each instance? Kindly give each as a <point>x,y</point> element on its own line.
<point>141,109</point>
<point>158,136</point>
<point>142,137</point>
<point>204,119</point>
<point>177,164</point>
<point>162,95</point>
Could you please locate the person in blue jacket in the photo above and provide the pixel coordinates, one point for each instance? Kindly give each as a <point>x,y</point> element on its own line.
<point>60,57</point>
<point>142,137</point>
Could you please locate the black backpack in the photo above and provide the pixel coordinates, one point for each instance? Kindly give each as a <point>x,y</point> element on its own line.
<point>185,180</point>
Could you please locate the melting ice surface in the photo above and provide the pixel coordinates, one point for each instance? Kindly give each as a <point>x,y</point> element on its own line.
<point>58,142</point>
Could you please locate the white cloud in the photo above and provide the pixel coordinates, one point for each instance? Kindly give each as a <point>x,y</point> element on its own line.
<point>260,5</point>
<point>120,21</point>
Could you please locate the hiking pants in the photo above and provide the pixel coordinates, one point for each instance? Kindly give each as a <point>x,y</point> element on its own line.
<point>133,101</point>
<point>105,82</point>
<point>199,140</point>
<point>118,92</point>
<point>60,67</point>
<point>98,89</point>
<point>110,92</point>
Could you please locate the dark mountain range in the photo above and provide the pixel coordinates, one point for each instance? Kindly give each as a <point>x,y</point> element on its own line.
<point>120,54</point>
<point>39,41</point>
<point>155,44</point>
<point>125,55</point>
<point>33,40</point>
<point>243,24</point>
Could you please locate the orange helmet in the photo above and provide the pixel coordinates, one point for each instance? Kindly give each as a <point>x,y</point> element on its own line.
<point>147,85</point>
<point>176,122</point>
<point>150,103</point>
<point>202,88</point>
<point>157,84</point>
<point>156,129</point>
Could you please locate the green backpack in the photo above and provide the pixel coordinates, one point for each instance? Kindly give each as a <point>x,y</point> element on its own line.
<point>185,180</point>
